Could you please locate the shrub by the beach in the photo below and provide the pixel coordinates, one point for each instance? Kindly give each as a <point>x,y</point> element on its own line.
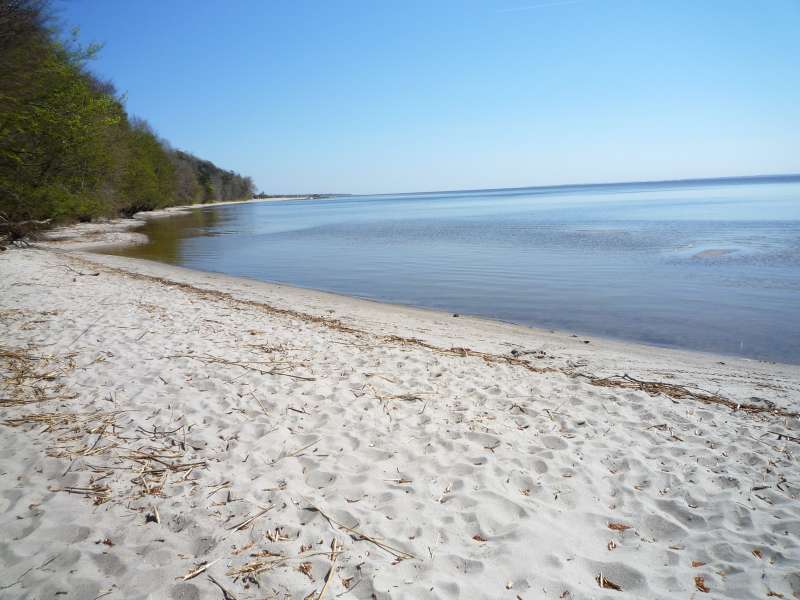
<point>68,148</point>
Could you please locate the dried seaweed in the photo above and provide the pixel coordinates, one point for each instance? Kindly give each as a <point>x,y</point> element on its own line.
<point>681,392</point>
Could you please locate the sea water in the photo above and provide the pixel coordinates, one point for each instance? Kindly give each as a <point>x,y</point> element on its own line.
<point>708,265</point>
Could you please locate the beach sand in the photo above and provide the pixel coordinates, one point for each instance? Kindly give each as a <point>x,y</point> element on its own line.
<point>168,433</point>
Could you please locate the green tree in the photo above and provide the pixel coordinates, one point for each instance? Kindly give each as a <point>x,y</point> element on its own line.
<point>68,150</point>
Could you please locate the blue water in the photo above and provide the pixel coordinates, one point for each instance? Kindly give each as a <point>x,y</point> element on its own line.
<point>706,265</point>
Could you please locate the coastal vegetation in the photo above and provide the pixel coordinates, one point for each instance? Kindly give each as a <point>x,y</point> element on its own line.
<point>69,150</point>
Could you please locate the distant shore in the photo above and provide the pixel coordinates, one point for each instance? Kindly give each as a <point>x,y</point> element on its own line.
<point>171,210</point>
<point>195,432</point>
<point>165,212</point>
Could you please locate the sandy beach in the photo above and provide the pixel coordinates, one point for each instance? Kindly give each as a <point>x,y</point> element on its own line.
<point>168,433</point>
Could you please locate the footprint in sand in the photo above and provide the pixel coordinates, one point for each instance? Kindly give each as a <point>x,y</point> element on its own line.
<point>553,442</point>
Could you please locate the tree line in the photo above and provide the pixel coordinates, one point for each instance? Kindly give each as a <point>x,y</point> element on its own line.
<point>68,148</point>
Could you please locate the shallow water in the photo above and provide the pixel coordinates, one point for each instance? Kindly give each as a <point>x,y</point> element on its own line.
<point>711,265</point>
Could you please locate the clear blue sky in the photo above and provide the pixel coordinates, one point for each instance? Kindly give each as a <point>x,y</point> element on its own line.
<point>382,96</point>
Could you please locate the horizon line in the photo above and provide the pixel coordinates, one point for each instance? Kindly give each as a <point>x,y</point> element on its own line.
<point>720,179</point>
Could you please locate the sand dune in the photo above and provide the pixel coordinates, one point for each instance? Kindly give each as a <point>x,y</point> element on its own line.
<point>298,444</point>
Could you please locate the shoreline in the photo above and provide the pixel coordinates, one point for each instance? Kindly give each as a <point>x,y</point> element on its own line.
<point>318,301</point>
<point>182,434</point>
<point>117,233</point>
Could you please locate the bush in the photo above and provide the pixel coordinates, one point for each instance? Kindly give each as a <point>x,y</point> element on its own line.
<point>68,149</point>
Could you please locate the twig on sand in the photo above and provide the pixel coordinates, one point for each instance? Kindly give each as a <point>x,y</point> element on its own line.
<point>460,351</point>
<point>156,518</point>
<point>603,582</point>
<point>396,552</point>
<point>226,595</point>
<point>265,561</point>
<point>306,447</point>
<point>296,452</point>
<point>783,435</point>
<point>21,577</point>
<point>247,365</point>
<point>259,403</point>
<point>198,570</point>
<point>249,520</point>
<point>329,576</point>
<point>68,268</point>
<point>100,494</point>
<point>82,333</point>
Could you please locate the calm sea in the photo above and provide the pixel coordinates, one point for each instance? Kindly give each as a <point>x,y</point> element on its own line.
<point>708,265</point>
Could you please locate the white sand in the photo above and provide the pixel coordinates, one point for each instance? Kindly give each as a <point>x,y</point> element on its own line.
<point>485,478</point>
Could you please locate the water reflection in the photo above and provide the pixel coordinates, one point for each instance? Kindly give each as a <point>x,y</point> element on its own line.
<point>167,235</point>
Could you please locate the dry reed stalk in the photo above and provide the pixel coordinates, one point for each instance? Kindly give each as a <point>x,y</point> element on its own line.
<point>195,572</point>
<point>255,567</point>
<point>100,494</point>
<point>94,433</point>
<point>335,549</point>
<point>247,365</point>
<point>226,595</point>
<point>409,397</point>
<point>249,520</point>
<point>396,552</point>
<point>24,374</point>
<point>680,392</point>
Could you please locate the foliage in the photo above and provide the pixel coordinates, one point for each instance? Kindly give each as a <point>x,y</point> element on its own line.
<point>68,149</point>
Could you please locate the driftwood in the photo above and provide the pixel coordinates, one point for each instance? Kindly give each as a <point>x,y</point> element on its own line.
<point>19,230</point>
